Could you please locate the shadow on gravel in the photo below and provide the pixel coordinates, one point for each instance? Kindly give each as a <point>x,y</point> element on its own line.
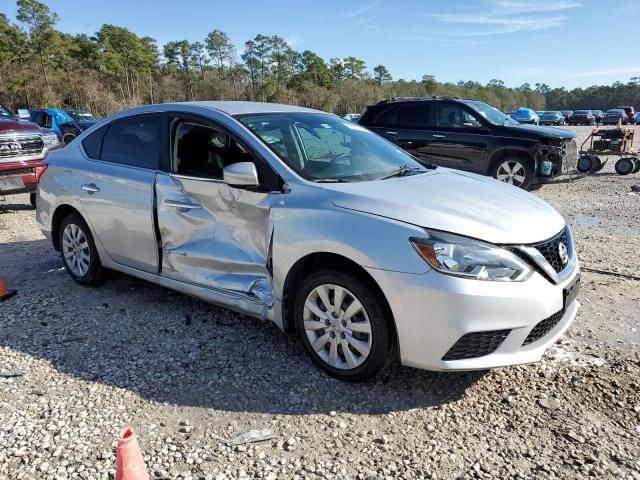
<point>13,207</point>
<point>168,347</point>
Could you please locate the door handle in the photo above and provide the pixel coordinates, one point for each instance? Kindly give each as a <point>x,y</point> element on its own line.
<point>90,188</point>
<point>391,133</point>
<point>435,135</point>
<point>187,205</point>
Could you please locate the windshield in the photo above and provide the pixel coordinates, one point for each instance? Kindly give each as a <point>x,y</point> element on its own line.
<point>492,114</point>
<point>323,147</point>
<point>580,112</point>
<point>549,115</point>
<point>61,117</point>
<point>80,116</point>
<point>616,111</point>
<point>5,113</point>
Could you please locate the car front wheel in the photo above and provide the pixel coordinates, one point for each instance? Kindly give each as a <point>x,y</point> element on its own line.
<point>79,253</point>
<point>514,171</point>
<point>342,323</point>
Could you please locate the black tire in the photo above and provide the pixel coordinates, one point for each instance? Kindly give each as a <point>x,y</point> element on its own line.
<point>597,164</point>
<point>68,138</point>
<point>382,344</point>
<point>32,200</point>
<point>625,166</point>
<point>585,163</point>
<point>498,170</point>
<point>637,167</point>
<point>95,271</point>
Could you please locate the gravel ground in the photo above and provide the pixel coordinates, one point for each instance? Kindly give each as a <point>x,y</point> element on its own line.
<point>190,377</point>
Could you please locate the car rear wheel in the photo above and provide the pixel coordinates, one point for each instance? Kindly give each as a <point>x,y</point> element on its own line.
<point>32,199</point>
<point>514,171</point>
<point>68,138</point>
<point>78,250</point>
<point>342,323</point>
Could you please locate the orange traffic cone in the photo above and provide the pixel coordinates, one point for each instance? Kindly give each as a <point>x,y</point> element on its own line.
<point>129,462</point>
<point>4,293</point>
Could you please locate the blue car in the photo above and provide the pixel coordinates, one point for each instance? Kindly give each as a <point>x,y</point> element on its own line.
<point>67,124</point>
<point>525,115</point>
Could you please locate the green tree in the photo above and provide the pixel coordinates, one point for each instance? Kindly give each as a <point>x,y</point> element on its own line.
<point>221,50</point>
<point>381,74</point>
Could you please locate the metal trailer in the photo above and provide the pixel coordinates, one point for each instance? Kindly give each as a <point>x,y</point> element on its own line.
<point>603,143</point>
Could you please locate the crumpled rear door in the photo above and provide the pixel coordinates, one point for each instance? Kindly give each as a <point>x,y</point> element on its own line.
<point>215,236</point>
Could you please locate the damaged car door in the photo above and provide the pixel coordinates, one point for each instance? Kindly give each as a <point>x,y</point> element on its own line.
<point>213,234</point>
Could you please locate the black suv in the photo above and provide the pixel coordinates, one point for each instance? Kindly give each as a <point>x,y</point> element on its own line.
<point>473,136</point>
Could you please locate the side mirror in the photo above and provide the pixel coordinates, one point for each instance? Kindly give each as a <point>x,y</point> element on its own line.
<point>241,174</point>
<point>23,114</point>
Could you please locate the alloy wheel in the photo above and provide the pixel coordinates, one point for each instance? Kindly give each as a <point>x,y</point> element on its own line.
<point>337,326</point>
<point>75,249</point>
<point>512,172</point>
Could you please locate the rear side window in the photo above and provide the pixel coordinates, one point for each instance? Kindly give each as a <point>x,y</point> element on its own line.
<point>379,116</point>
<point>133,141</point>
<point>414,116</point>
<point>93,142</point>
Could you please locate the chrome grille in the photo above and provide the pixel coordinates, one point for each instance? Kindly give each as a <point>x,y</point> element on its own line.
<point>16,146</point>
<point>551,252</point>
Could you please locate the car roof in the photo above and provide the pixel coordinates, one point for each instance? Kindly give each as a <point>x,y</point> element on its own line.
<point>230,107</point>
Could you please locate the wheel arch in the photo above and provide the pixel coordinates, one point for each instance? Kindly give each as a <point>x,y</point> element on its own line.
<point>507,152</point>
<point>322,260</point>
<point>61,212</point>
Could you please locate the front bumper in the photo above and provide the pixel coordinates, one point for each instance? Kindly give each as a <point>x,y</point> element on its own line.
<point>24,170</point>
<point>433,311</point>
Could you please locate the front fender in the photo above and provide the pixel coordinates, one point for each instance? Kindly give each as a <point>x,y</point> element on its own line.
<point>368,240</point>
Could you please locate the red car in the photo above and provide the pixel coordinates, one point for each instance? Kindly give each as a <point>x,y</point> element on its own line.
<point>23,147</point>
<point>631,114</point>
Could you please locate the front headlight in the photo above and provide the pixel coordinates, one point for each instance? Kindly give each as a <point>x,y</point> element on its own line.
<point>467,258</point>
<point>50,140</point>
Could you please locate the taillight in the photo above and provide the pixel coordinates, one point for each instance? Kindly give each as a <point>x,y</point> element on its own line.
<point>40,170</point>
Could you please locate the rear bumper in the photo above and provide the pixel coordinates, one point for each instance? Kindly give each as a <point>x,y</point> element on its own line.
<point>25,170</point>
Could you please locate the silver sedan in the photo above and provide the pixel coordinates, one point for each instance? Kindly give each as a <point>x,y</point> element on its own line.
<point>315,223</point>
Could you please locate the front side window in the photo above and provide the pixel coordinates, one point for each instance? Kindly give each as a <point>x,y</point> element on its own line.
<point>133,141</point>
<point>454,116</point>
<point>323,147</point>
<point>203,151</point>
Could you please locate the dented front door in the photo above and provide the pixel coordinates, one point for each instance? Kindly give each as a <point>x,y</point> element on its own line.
<point>214,235</point>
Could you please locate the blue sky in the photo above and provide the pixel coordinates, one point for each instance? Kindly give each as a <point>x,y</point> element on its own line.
<point>572,43</point>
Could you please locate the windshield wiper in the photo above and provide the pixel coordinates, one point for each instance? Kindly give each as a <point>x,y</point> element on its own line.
<point>402,172</point>
<point>331,180</point>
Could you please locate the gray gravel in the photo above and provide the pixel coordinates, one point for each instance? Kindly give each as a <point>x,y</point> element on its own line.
<point>77,364</point>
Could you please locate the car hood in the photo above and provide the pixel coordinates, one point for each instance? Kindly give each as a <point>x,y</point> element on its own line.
<point>454,201</point>
<point>544,131</point>
<point>10,125</point>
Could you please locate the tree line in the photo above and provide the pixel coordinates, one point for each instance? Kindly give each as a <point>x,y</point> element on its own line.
<point>113,69</point>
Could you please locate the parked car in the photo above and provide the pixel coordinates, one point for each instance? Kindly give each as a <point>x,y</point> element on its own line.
<point>614,116</point>
<point>271,211</point>
<point>23,146</point>
<point>637,118</point>
<point>525,116</point>
<point>81,121</point>
<point>473,136</point>
<point>599,114</point>
<point>582,117</point>
<point>567,114</point>
<point>631,114</point>
<point>352,117</point>
<point>552,118</point>
<point>66,123</point>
